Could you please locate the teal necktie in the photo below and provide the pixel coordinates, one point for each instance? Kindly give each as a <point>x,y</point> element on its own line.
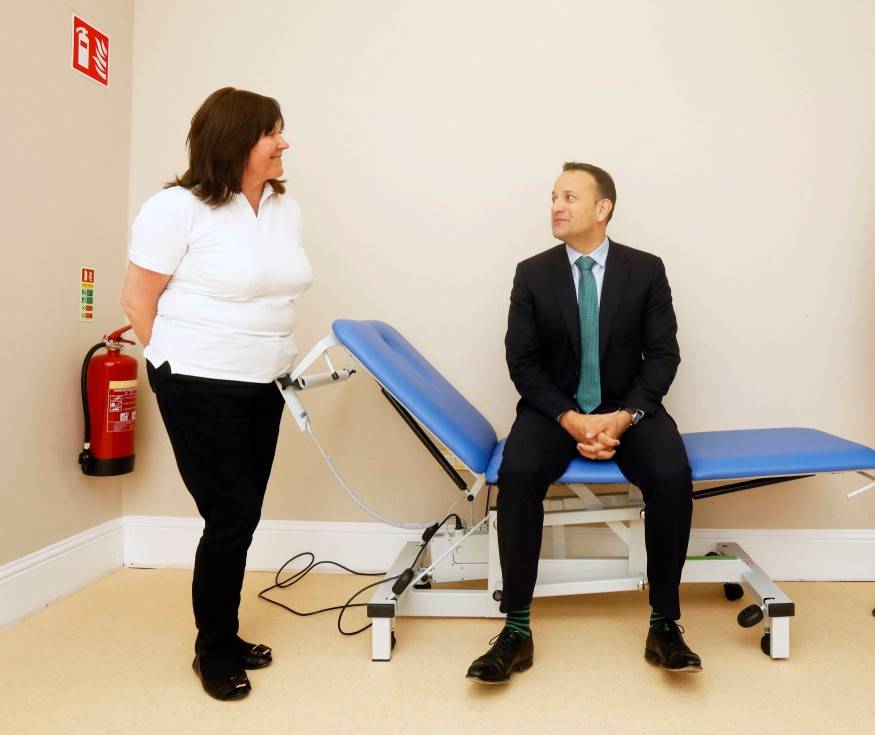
<point>589,389</point>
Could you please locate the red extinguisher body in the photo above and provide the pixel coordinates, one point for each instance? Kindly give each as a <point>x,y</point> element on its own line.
<point>111,389</point>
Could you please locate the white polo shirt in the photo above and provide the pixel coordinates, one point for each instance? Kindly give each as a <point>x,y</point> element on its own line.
<point>228,310</point>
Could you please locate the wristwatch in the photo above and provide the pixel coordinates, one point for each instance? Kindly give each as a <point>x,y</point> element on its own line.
<point>636,413</point>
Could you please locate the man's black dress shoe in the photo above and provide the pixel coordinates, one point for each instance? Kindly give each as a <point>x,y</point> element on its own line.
<point>665,647</point>
<point>253,656</point>
<point>235,686</point>
<point>511,651</point>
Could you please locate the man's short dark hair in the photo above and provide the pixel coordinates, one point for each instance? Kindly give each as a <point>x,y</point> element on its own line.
<point>603,181</point>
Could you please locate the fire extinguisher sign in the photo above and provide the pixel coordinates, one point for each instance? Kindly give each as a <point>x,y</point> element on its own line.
<point>90,51</point>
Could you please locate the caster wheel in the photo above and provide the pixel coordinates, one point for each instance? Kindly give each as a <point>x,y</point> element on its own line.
<point>712,553</point>
<point>766,644</point>
<point>750,616</point>
<point>733,591</point>
<point>422,586</point>
<point>394,640</point>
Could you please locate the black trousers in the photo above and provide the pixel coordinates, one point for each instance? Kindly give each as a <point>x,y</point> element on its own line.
<point>224,436</point>
<point>653,458</point>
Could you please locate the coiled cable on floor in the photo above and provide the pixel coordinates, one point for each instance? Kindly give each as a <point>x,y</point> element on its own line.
<point>301,573</point>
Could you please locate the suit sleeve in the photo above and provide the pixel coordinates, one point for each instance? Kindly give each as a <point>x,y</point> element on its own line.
<point>659,347</point>
<point>524,361</point>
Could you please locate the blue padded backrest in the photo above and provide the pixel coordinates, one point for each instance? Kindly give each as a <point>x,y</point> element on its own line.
<point>421,389</point>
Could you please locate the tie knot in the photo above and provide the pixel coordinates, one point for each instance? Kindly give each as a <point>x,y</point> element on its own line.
<point>584,263</point>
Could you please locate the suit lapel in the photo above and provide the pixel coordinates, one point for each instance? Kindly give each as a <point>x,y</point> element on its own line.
<point>613,285</point>
<point>562,283</point>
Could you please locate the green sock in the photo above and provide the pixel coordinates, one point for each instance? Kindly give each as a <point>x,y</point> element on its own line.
<point>656,618</point>
<point>520,621</point>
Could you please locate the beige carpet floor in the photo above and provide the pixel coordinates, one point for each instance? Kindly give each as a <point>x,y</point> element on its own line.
<point>115,658</point>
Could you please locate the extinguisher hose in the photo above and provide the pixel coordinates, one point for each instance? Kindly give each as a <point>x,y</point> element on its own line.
<point>85,409</point>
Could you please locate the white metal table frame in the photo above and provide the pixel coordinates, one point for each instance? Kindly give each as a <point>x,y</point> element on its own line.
<point>472,553</point>
<point>476,558</point>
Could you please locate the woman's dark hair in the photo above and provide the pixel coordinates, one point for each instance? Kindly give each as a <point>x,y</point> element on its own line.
<point>223,131</point>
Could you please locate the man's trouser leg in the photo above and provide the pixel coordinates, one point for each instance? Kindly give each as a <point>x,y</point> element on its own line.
<point>536,454</point>
<point>653,458</point>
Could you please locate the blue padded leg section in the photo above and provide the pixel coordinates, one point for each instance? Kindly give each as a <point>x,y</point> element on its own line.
<point>724,455</point>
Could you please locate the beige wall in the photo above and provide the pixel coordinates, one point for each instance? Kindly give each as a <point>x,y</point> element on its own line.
<point>64,205</point>
<point>425,140</point>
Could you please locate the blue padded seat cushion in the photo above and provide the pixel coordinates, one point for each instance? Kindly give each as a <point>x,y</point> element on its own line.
<point>743,453</point>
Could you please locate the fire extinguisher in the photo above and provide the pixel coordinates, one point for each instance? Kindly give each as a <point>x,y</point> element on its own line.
<point>109,402</point>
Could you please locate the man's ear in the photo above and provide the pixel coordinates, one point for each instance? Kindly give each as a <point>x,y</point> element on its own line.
<point>603,208</point>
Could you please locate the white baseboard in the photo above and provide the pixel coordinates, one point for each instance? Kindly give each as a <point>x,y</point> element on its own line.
<point>32,582</point>
<point>803,554</point>
<point>784,554</point>
<point>156,541</point>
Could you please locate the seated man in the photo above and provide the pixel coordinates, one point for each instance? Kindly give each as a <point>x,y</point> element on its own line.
<point>592,349</point>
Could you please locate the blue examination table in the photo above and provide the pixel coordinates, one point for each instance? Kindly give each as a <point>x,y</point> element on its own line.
<point>459,436</point>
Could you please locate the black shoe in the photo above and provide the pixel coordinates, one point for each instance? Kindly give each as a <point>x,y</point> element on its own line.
<point>511,651</point>
<point>235,686</point>
<point>665,647</point>
<point>253,656</point>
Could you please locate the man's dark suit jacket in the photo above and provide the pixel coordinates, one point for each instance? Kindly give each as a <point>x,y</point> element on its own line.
<point>637,331</point>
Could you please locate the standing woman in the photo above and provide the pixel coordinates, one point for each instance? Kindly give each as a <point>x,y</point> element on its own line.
<point>216,266</point>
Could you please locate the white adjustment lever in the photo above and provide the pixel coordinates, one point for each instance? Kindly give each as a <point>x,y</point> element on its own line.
<point>317,379</point>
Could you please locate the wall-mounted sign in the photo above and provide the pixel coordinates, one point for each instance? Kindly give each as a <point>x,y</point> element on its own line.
<point>90,51</point>
<point>86,303</point>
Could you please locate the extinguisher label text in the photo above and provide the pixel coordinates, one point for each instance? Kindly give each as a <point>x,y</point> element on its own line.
<point>121,405</point>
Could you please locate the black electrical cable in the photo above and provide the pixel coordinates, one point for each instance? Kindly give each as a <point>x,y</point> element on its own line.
<point>301,573</point>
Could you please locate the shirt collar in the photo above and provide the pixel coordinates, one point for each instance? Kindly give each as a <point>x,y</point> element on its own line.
<point>266,192</point>
<point>599,255</point>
